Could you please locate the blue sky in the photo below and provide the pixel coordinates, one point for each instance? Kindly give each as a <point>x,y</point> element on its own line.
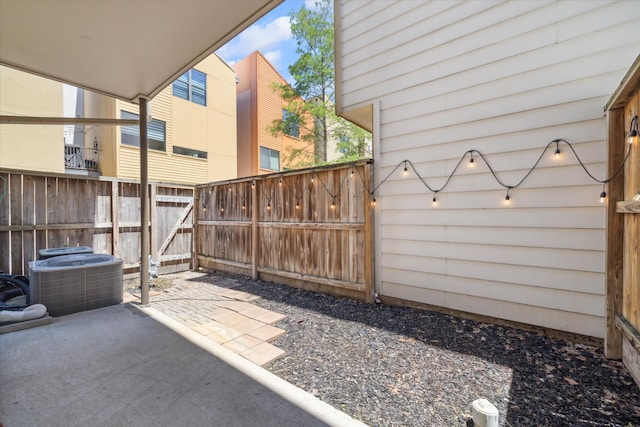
<point>271,35</point>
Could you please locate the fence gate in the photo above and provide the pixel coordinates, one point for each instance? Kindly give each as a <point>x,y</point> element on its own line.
<point>172,227</point>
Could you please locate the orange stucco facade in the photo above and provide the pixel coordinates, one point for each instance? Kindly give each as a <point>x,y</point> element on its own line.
<point>258,105</point>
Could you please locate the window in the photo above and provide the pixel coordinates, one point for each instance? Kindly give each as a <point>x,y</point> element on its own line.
<point>269,159</point>
<point>156,134</point>
<point>191,86</point>
<point>183,151</point>
<point>292,127</point>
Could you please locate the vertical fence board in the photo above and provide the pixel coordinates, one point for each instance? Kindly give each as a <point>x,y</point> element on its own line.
<point>15,199</point>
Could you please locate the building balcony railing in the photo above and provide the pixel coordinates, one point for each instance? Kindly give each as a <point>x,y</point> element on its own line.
<point>81,158</point>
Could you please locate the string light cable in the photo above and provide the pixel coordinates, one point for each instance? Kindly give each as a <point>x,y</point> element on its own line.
<point>332,195</point>
<point>508,187</point>
<point>408,165</point>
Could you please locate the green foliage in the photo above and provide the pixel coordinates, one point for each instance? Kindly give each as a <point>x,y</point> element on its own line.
<point>314,74</point>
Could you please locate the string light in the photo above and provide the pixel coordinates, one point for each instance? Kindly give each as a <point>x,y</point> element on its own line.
<point>633,131</point>
<point>631,139</point>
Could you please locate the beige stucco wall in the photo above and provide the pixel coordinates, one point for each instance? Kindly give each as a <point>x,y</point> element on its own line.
<point>30,147</point>
<point>210,128</point>
<point>101,106</point>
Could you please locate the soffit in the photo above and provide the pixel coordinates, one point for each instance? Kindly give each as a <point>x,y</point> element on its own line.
<point>120,48</point>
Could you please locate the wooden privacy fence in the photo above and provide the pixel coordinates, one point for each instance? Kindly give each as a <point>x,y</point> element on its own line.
<point>39,211</point>
<point>306,228</point>
<point>623,226</point>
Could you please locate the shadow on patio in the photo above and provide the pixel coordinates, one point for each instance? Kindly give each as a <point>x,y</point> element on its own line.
<point>401,366</point>
<point>122,365</point>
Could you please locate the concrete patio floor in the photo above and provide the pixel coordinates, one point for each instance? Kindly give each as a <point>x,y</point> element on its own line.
<point>129,365</point>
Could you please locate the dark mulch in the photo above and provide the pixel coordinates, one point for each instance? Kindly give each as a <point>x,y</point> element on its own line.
<point>399,366</point>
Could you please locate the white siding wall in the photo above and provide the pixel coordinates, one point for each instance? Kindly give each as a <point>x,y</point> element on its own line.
<point>504,78</point>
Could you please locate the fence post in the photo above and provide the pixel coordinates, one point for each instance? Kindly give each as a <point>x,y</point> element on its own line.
<point>195,230</point>
<point>115,223</point>
<point>614,236</point>
<point>254,229</point>
<point>155,243</point>
<point>368,236</point>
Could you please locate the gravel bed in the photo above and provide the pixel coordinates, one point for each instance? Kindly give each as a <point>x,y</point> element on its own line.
<point>399,366</point>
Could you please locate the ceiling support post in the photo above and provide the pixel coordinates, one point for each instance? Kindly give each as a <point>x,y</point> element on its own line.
<point>144,204</point>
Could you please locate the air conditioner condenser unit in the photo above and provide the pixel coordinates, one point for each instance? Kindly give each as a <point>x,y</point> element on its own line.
<point>71,283</point>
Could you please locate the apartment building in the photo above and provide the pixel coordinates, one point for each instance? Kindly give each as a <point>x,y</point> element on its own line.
<point>191,135</point>
<point>258,105</point>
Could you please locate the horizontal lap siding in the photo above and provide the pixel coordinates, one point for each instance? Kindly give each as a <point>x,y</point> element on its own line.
<point>503,78</point>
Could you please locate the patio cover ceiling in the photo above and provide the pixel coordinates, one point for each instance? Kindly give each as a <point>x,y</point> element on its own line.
<point>120,48</point>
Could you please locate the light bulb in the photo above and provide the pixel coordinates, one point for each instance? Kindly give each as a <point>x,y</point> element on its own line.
<point>507,200</point>
<point>557,153</point>
<point>373,202</point>
<point>243,206</point>
<point>221,209</point>
<point>312,178</point>
<point>333,203</point>
<point>435,201</point>
<point>351,173</point>
<point>633,131</point>
<point>280,182</point>
<point>471,162</point>
<point>268,205</point>
<point>297,205</point>
<point>603,197</point>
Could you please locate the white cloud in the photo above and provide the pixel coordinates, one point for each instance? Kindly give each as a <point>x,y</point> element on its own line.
<point>274,57</point>
<point>257,37</point>
<point>310,4</point>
